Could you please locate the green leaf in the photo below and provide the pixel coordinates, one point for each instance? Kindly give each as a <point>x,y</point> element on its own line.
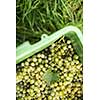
<point>50,76</point>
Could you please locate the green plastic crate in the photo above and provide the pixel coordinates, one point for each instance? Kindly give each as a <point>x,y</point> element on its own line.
<point>26,50</point>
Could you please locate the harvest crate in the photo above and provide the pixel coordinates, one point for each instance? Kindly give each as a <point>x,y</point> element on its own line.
<point>26,50</point>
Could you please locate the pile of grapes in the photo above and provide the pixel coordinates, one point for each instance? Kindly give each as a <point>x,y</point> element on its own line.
<point>55,73</point>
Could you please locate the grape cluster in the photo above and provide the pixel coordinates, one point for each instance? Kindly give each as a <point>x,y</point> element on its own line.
<point>64,80</point>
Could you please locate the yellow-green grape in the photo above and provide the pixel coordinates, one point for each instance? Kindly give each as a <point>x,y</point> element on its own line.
<point>65,70</point>
<point>42,56</point>
<point>61,93</point>
<point>34,59</point>
<point>77,62</point>
<point>52,68</point>
<point>44,69</point>
<point>37,76</point>
<point>60,83</point>
<point>32,86</point>
<point>59,53</point>
<point>39,60</point>
<point>79,66</point>
<point>70,75</point>
<point>62,87</point>
<point>77,98</point>
<point>24,70</point>
<point>32,81</point>
<point>38,69</point>
<point>78,84</point>
<point>49,59</point>
<point>79,93</point>
<point>71,49</point>
<point>60,63</point>
<point>56,60</point>
<point>52,51</point>
<point>36,89</point>
<point>31,92</point>
<point>39,98</point>
<point>46,61</point>
<point>72,96</point>
<point>41,73</point>
<point>46,92</point>
<point>42,88</point>
<point>58,88</point>
<point>66,83</point>
<point>37,63</point>
<point>26,77</point>
<point>19,77</point>
<point>53,45</point>
<point>50,98</point>
<point>52,85</point>
<point>76,57</point>
<point>52,94</point>
<point>42,96</point>
<point>29,60</point>
<point>24,91</point>
<point>43,85</point>
<point>41,66</point>
<point>62,77</point>
<point>74,90</point>
<point>32,68</point>
<point>29,98</point>
<point>23,74</point>
<point>62,51</point>
<point>40,82</point>
<point>55,98</point>
<point>46,65</point>
<point>54,90</point>
<point>17,88</point>
<point>61,68</point>
<point>55,84</point>
<point>52,64</point>
<point>22,64</point>
<point>65,75</point>
<point>32,64</point>
<point>64,47</point>
<point>69,46</point>
<point>29,70</point>
<point>72,63</point>
<point>27,63</point>
<point>68,41</point>
<point>65,98</point>
<point>38,55</point>
<point>33,74</point>
<point>67,64</point>
<point>55,69</point>
<point>69,59</point>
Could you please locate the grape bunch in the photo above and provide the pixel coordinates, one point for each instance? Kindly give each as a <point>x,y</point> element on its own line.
<point>55,73</point>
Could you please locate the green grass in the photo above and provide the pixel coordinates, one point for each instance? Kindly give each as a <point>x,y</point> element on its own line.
<point>35,17</point>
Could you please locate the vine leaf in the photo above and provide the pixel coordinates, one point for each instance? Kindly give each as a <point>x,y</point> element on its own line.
<point>50,76</point>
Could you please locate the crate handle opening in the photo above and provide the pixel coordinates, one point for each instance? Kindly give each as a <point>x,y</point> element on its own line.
<point>44,36</point>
